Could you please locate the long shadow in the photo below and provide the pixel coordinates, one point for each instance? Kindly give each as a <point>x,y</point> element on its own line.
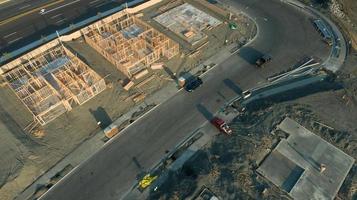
<point>141,172</point>
<point>233,86</point>
<point>206,113</point>
<point>136,162</point>
<point>250,54</point>
<point>292,178</point>
<point>170,73</point>
<point>101,116</point>
<point>294,94</point>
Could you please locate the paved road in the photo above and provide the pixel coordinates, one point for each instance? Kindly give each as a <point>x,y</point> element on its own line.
<point>22,23</point>
<point>284,32</point>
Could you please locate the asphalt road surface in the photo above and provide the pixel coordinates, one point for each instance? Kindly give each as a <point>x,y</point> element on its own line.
<point>21,23</point>
<point>285,33</point>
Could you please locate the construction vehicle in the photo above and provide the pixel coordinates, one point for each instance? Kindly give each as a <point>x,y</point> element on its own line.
<point>147,181</point>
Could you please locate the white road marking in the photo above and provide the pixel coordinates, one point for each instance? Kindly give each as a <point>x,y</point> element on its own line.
<point>59,7</point>
<point>60,21</point>
<point>92,2</point>
<point>55,16</point>
<point>25,6</point>
<point>6,36</point>
<point>99,4</point>
<point>12,41</point>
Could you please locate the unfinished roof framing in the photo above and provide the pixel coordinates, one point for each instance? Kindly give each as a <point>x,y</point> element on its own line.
<point>129,43</point>
<point>50,80</point>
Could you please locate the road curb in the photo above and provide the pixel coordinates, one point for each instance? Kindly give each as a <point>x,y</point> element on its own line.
<point>146,114</point>
<point>338,36</point>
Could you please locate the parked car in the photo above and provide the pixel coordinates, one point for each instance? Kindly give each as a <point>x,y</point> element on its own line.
<point>246,94</point>
<point>221,125</point>
<point>193,84</point>
<point>263,60</point>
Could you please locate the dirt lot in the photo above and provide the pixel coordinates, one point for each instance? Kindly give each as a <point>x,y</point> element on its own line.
<point>27,156</point>
<point>227,165</point>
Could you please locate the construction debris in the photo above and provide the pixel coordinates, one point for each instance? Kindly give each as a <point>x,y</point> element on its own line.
<point>157,66</point>
<point>129,85</point>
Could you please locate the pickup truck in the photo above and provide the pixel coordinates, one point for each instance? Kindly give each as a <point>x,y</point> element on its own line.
<point>221,125</point>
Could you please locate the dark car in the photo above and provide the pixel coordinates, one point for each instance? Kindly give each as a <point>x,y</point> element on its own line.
<point>263,60</point>
<point>193,84</point>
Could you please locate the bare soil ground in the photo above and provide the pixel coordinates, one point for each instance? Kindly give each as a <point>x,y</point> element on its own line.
<point>227,165</point>
<point>349,7</point>
<point>343,12</point>
<point>216,36</point>
<point>26,156</point>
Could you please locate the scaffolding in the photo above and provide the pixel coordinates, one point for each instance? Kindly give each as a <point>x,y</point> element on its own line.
<point>51,81</point>
<point>129,43</point>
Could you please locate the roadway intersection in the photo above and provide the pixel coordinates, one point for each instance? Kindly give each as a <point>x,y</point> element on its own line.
<point>285,33</point>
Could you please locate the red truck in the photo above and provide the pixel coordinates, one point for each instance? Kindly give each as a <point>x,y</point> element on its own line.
<point>221,125</point>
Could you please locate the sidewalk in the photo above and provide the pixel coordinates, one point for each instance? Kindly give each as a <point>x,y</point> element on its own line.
<point>208,133</point>
<point>90,146</point>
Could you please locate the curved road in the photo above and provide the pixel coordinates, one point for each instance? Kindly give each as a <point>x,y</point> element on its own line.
<point>284,32</point>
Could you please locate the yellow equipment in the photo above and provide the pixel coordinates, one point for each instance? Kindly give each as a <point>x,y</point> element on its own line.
<point>146,181</point>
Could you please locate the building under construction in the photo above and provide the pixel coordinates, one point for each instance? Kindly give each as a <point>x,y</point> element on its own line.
<point>188,22</point>
<point>129,43</point>
<point>50,80</point>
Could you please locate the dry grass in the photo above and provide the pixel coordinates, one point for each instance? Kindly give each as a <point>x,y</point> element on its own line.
<point>349,7</point>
